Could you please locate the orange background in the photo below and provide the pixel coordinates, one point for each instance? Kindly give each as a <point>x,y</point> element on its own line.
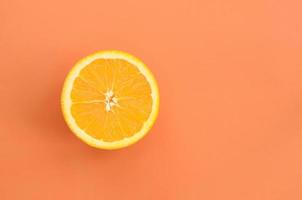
<point>230,77</point>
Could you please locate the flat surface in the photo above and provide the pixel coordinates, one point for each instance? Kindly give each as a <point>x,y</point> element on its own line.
<point>229,74</point>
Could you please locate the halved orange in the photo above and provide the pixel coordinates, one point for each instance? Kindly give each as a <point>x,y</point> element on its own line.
<point>110,99</point>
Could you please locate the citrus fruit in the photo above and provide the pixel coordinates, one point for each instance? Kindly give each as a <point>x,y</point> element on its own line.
<point>110,99</point>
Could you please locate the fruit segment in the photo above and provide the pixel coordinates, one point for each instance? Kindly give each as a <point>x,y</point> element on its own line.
<point>111,99</point>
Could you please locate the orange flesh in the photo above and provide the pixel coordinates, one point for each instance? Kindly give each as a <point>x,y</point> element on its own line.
<point>128,86</point>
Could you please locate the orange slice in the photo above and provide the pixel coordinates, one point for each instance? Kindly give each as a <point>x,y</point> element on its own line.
<point>110,99</point>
